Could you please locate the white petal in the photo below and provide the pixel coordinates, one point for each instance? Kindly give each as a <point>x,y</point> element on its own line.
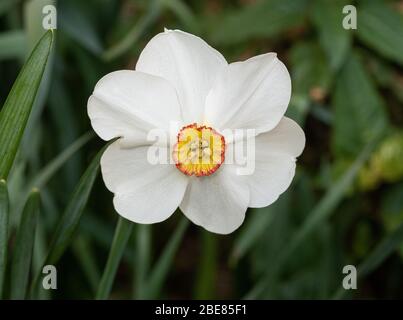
<point>144,193</point>
<point>218,202</point>
<point>276,153</point>
<point>188,62</point>
<point>129,103</point>
<point>251,94</point>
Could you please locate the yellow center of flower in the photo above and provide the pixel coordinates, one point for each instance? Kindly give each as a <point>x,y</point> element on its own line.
<point>199,151</point>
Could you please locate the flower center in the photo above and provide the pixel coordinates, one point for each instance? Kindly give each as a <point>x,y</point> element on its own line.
<point>199,150</point>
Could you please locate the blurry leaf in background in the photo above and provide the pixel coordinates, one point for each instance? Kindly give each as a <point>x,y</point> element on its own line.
<point>70,219</point>
<point>334,39</point>
<point>266,18</point>
<point>184,14</point>
<point>386,163</point>
<point>381,28</point>
<point>72,214</point>
<point>33,17</point>
<point>258,222</point>
<point>359,112</point>
<point>142,262</point>
<point>392,207</point>
<point>160,270</point>
<point>122,234</point>
<point>24,243</point>
<point>386,247</point>
<point>5,5</point>
<point>74,21</point>
<point>4,216</point>
<point>17,108</point>
<point>205,284</point>
<point>33,25</point>
<point>315,218</point>
<point>12,45</point>
<point>135,32</point>
<point>311,78</point>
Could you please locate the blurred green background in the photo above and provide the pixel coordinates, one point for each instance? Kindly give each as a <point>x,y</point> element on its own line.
<point>345,205</point>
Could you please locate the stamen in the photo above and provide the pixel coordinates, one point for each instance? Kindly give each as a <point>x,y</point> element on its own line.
<point>199,150</point>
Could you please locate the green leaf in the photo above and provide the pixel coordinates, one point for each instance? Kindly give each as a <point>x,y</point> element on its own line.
<point>74,21</point>
<point>382,251</point>
<point>122,235</point>
<point>6,5</point>
<point>12,44</point>
<point>33,19</point>
<point>334,39</point>
<point>16,110</point>
<point>85,256</point>
<point>309,70</point>
<point>71,216</point>
<point>73,212</point>
<point>24,244</point>
<point>161,268</point>
<point>381,28</point>
<point>183,13</point>
<point>261,20</point>
<point>206,277</point>
<point>4,216</point>
<point>315,218</point>
<point>142,261</point>
<point>127,42</point>
<point>259,221</point>
<point>47,172</point>
<point>359,112</point>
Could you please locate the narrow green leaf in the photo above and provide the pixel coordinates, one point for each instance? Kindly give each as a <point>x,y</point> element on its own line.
<point>33,19</point>
<point>259,221</point>
<point>184,14</point>
<point>47,172</point>
<point>142,261</point>
<point>381,28</point>
<point>34,30</point>
<point>153,12</point>
<point>309,70</point>
<point>71,216</point>
<point>334,39</point>
<point>382,251</point>
<point>359,112</point>
<point>206,277</point>
<point>12,44</point>
<point>24,244</point>
<point>74,21</point>
<point>315,218</point>
<point>6,5</point>
<point>122,235</point>
<point>16,110</point>
<point>4,216</point>
<point>84,253</point>
<point>73,212</point>
<point>161,269</point>
<point>263,19</point>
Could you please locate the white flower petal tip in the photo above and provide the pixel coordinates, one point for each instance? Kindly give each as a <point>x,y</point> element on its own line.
<point>180,79</point>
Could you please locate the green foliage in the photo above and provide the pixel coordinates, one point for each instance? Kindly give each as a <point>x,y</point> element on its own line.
<point>122,235</point>
<point>15,112</point>
<point>343,207</point>
<point>4,216</point>
<point>359,111</point>
<point>327,16</point>
<point>24,243</point>
<point>263,19</point>
<point>381,28</point>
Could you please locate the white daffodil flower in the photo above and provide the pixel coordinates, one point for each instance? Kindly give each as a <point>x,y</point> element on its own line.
<point>180,79</point>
